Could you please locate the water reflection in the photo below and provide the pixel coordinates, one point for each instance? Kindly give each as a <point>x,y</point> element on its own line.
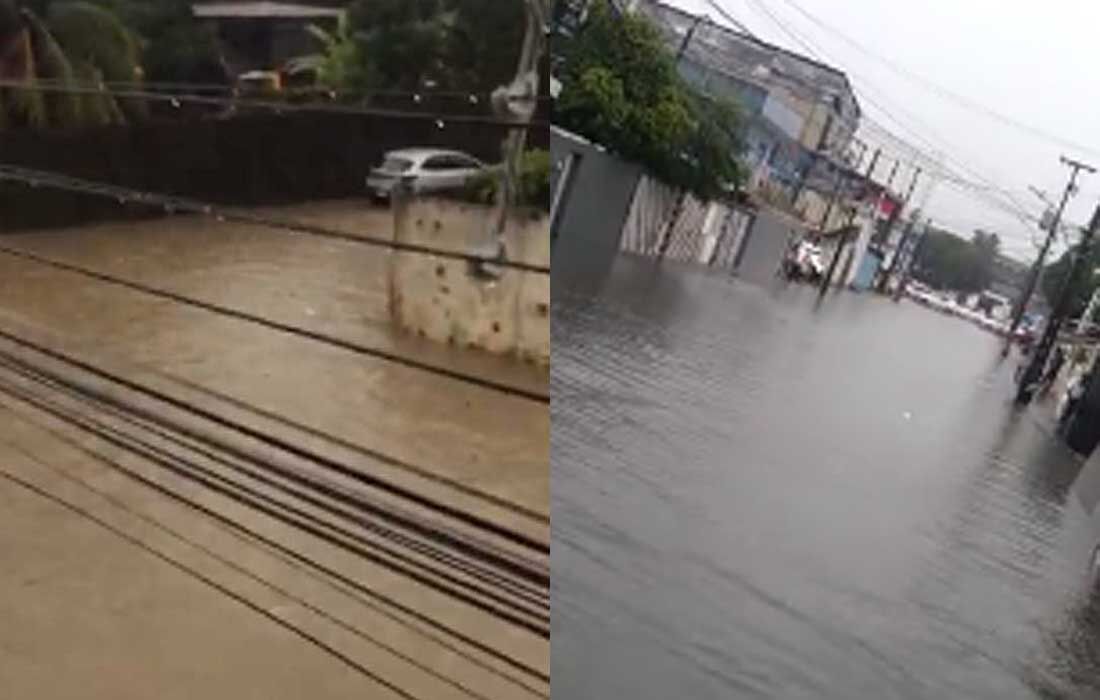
<point>754,498</point>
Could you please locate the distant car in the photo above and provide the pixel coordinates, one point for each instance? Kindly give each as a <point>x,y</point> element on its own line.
<point>425,170</point>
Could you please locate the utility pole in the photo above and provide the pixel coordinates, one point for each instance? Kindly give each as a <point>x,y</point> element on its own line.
<point>908,266</point>
<point>832,200</point>
<point>688,37</point>
<point>884,279</point>
<point>1030,379</point>
<point>827,279</point>
<point>517,101</point>
<point>666,235</point>
<point>1036,269</point>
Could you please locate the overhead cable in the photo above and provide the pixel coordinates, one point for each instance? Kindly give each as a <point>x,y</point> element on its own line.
<point>172,204</point>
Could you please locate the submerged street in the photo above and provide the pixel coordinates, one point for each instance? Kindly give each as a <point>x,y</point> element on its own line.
<point>757,496</point>
<point>194,505</point>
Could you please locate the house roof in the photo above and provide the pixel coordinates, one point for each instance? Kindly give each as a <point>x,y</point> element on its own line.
<point>752,39</point>
<point>263,9</point>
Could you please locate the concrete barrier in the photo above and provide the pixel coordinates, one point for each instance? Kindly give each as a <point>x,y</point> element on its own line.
<point>440,299</point>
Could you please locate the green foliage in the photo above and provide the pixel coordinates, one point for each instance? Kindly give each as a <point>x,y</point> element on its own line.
<point>412,44</point>
<point>341,63</point>
<point>484,43</point>
<point>949,262</point>
<point>534,182</point>
<point>175,48</point>
<point>401,41</point>
<point>622,90</point>
<point>77,43</point>
<point>1054,276</point>
<point>100,48</point>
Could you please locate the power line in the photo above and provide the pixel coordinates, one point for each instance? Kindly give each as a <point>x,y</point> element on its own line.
<point>242,530</point>
<point>417,96</point>
<point>289,329</point>
<point>294,518</point>
<point>233,565</point>
<point>313,568</point>
<point>729,18</point>
<point>941,90</point>
<point>291,448</point>
<point>172,204</point>
<point>141,419</point>
<point>176,99</point>
<point>209,582</point>
<point>819,55</point>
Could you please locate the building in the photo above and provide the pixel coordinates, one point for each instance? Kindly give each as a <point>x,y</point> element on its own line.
<point>257,35</point>
<point>802,115</point>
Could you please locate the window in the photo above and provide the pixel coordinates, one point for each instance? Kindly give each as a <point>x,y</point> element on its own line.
<point>449,162</point>
<point>436,163</point>
<point>396,165</point>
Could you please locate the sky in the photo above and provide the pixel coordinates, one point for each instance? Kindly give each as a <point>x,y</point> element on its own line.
<point>910,63</point>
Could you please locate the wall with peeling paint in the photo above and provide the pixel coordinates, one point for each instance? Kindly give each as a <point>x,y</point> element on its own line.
<point>440,299</point>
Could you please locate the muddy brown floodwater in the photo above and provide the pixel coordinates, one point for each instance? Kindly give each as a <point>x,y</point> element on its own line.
<point>475,440</point>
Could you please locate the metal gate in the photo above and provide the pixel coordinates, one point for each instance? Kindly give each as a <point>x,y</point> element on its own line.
<point>667,223</point>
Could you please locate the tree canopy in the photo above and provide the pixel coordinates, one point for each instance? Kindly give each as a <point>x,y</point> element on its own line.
<point>621,89</point>
<point>1054,276</point>
<point>413,45</point>
<point>946,261</point>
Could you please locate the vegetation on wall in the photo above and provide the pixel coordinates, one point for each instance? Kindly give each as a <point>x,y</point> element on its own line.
<point>621,89</point>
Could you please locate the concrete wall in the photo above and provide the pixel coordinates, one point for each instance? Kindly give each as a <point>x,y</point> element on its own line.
<point>765,245</point>
<point>438,298</point>
<point>589,219</point>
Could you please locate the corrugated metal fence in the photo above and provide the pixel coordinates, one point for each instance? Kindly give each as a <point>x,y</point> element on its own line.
<point>665,223</point>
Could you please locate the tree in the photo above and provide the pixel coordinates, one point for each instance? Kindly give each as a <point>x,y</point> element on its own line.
<point>1054,277</point>
<point>341,64</point>
<point>174,46</point>
<point>484,43</point>
<point>947,261</point>
<point>402,41</point>
<point>621,89</point>
<point>78,43</point>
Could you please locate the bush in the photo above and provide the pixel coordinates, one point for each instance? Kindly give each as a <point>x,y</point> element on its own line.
<point>534,182</point>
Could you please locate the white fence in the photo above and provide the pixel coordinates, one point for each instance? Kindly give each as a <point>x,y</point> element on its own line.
<point>665,223</point>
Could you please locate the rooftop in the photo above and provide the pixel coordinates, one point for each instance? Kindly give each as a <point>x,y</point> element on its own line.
<point>749,39</point>
<point>263,9</point>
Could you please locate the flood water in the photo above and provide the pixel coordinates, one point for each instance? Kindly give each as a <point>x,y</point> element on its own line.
<point>757,497</point>
<point>487,439</point>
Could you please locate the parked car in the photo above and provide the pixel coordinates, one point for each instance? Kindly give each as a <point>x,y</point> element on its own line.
<point>805,262</point>
<point>424,170</point>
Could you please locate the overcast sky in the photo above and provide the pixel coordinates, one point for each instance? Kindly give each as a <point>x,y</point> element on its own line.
<point>1034,62</point>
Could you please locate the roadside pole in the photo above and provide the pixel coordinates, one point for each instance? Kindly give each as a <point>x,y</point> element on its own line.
<point>827,279</point>
<point>517,101</point>
<point>1036,269</point>
<point>884,278</point>
<point>907,267</point>
<point>665,239</point>
<point>1035,367</point>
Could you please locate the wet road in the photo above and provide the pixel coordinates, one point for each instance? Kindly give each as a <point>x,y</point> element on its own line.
<point>757,498</point>
<point>345,524</point>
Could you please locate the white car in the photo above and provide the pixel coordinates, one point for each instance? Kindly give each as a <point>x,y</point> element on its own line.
<point>424,169</point>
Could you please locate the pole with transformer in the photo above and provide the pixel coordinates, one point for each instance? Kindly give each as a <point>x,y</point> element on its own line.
<point>1033,276</point>
<point>1030,379</point>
